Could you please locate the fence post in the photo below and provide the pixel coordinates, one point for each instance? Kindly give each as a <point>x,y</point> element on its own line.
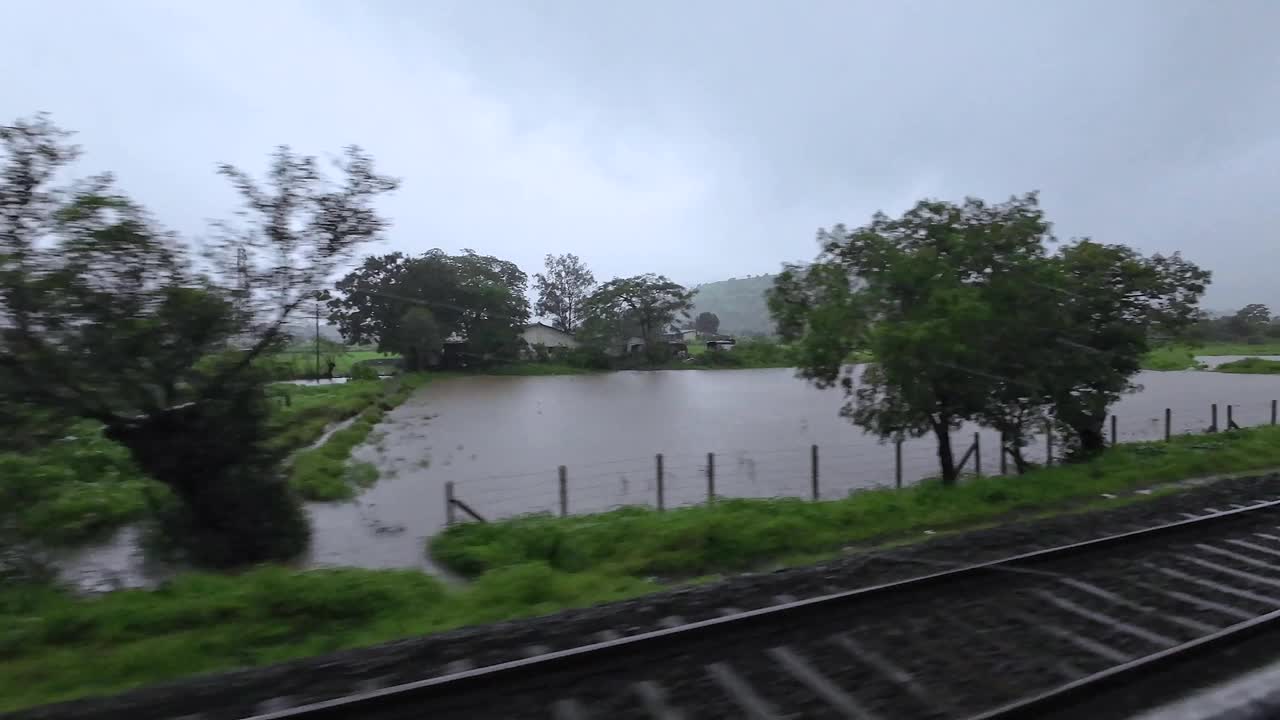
<point>813,469</point>
<point>449,516</point>
<point>1048,444</point>
<point>711,477</point>
<point>977,456</point>
<point>1168,424</point>
<point>1213,421</point>
<point>564,491</point>
<point>661,499</point>
<point>1230,418</point>
<point>1004,463</point>
<point>1273,412</point>
<point>897,464</point>
<point>1113,431</point>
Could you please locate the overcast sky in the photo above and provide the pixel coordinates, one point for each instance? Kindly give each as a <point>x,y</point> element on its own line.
<point>702,139</point>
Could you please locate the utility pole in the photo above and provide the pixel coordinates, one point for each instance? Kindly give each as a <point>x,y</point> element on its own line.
<point>317,341</point>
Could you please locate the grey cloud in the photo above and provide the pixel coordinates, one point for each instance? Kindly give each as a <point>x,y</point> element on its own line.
<point>701,140</point>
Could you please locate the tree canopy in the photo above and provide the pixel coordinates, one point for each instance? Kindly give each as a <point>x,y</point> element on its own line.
<point>479,298</point>
<point>971,317</point>
<point>649,303</point>
<point>562,290</point>
<point>707,323</point>
<point>105,315</point>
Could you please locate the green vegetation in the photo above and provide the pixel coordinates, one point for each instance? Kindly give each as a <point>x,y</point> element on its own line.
<point>1228,348</point>
<point>1171,357</point>
<point>202,623</point>
<point>72,489</point>
<point>734,535</point>
<point>974,315</point>
<point>326,472</point>
<point>300,364</point>
<point>1251,366</point>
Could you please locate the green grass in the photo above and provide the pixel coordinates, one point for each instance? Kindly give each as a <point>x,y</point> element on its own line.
<point>71,490</point>
<point>734,535</point>
<point>1221,348</point>
<point>301,363</point>
<point>1170,357</point>
<point>202,623</point>
<point>1251,366</point>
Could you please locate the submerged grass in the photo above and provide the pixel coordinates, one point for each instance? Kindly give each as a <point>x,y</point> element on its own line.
<point>326,472</point>
<point>734,535</point>
<point>201,622</point>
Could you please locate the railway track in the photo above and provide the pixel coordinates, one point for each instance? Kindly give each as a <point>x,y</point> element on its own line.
<point>1019,637</point>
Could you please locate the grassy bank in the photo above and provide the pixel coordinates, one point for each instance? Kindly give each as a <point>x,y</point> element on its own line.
<point>1171,357</point>
<point>326,472</point>
<point>739,534</point>
<point>1251,366</point>
<point>301,364</point>
<point>203,623</point>
<point>1219,348</point>
<point>530,566</point>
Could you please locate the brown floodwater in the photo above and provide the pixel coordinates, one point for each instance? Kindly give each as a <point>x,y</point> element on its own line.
<point>500,440</point>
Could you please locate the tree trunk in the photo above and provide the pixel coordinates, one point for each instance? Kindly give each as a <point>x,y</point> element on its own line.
<point>233,505</point>
<point>1091,438</point>
<point>946,459</point>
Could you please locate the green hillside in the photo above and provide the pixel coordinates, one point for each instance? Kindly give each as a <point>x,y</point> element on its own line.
<point>739,303</point>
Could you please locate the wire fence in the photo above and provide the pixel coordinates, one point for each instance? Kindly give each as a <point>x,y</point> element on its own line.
<point>812,472</point>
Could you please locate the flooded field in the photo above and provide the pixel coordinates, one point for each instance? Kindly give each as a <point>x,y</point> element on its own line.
<point>500,441</point>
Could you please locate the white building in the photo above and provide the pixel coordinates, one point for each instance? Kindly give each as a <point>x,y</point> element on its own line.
<point>549,337</point>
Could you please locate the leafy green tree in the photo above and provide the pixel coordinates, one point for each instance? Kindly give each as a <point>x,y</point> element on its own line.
<point>1111,302</point>
<point>707,323</point>
<point>562,290</point>
<point>103,316</point>
<point>650,302</point>
<point>1250,319</point>
<point>915,292</point>
<point>419,335</point>
<point>477,297</point>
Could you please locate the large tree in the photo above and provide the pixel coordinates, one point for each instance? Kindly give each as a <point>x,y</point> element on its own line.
<point>476,297</point>
<point>103,315</point>
<point>1110,301</point>
<point>562,290</point>
<point>707,323</point>
<point>650,302</point>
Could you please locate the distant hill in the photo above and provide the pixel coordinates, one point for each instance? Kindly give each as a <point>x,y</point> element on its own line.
<point>739,303</point>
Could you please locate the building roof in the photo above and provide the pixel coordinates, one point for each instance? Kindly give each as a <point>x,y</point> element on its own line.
<point>549,327</point>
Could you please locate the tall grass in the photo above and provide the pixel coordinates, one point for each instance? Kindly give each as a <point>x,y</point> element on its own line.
<point>1171,357</point>
<point>732,535</point>
<point>201,623</point>
<point>1251,366</point>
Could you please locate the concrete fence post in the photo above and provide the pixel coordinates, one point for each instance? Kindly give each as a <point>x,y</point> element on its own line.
<point>1273,412</point>
<point>662,503</point>
<point>897,464</point>
<point>711,477</point>
<point>1231,421</point>
<point>1048,444</point>
<point>564,491</point>
<point>813,470</point>
<point>1168,424</point>
<point>1213,418</point>
<point>1004,462</point>
<point>449,514</point>
<point>977,456</point>
<point>1113,431</point>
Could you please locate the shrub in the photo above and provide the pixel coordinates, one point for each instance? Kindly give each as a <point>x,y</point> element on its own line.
<point>362,371</point>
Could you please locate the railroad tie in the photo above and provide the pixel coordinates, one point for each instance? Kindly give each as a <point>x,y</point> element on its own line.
<point>822,686</point>
<point>741,692</point>
<point>654,698</point>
